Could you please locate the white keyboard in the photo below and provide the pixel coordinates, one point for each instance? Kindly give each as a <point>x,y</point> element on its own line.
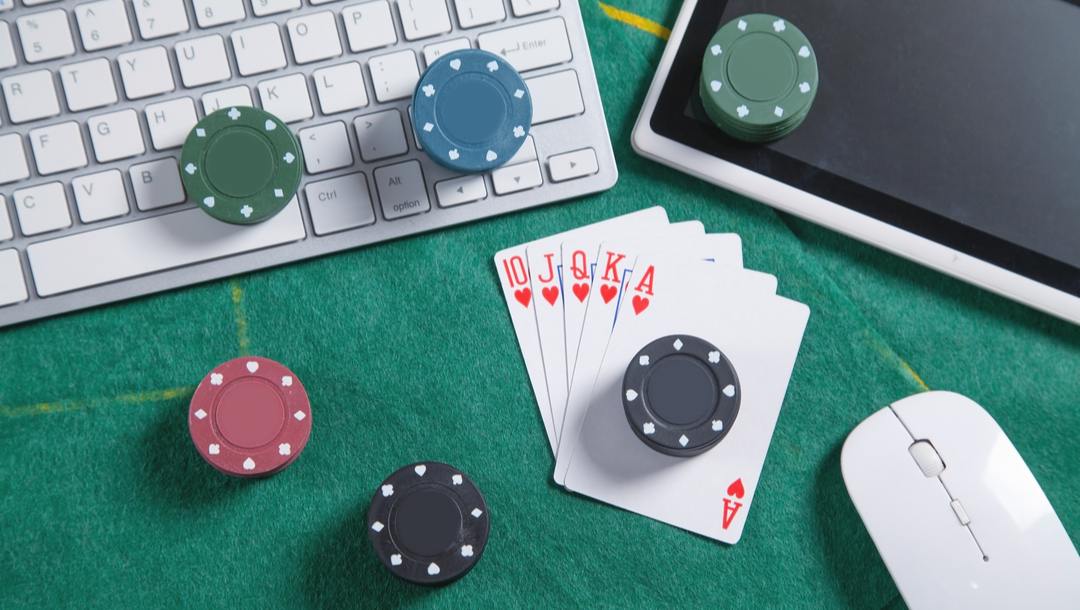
<point>96,98</point>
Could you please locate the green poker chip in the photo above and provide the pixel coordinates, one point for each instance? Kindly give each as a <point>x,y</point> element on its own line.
<point>241,165</point>
<point>759,78</point>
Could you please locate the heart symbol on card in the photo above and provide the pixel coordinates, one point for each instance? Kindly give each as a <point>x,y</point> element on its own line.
<point>523,296</point>
<point>608,292</point>
<point>640,304</point>
<point>551,294</point>
<point>491,156</point>
<point>252,366</point>
<point>736,489</point>
<point>269,125</point>
<point>581,291</point>
<point>455,64</point>
<point>420,470</point>
<point>433,569</point>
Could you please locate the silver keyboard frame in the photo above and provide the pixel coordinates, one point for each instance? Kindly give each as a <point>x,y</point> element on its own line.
<point>587,130</point>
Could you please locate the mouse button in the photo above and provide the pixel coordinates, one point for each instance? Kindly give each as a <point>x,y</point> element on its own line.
<point>927,457</point>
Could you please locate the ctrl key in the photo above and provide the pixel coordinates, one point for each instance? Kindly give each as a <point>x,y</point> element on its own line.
<point>402,191</point>
<point>12,283</point>
<point>339,203</point>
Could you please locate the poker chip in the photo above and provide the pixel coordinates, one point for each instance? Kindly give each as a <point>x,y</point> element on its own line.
<point>428,523</point>
<point>471,110</point>
<point>250,417</point>
<point>681,395</point>
<point>241,165</point>
<point>759,78</point>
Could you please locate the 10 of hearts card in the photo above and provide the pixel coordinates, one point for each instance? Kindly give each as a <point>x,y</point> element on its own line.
<point>659,364</point>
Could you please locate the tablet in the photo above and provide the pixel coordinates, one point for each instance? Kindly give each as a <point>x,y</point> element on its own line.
<point>947,133</point>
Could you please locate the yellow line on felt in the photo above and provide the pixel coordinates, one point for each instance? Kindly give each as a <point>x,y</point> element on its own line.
<point>241,317</point>
<point>637,21</point>
<point>913,374</point>
<point>61,406</point>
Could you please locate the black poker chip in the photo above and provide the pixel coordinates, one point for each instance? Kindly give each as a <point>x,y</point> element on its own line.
<point>681,395</point>
<point>428,523</point>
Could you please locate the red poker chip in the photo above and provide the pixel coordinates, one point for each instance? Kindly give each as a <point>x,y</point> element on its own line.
<point>250,417</point>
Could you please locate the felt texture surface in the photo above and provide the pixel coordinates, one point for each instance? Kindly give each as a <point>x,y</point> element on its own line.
<point>408,354</point>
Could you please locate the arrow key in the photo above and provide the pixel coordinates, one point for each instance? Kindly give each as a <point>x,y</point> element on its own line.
<point>457,191</point>
<point>514,178</point>
<point>575,164</point>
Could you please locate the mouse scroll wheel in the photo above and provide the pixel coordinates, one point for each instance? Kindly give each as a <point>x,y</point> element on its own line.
<point>927,458</point>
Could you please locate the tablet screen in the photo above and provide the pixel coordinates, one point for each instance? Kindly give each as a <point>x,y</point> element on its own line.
<point>959,121</point>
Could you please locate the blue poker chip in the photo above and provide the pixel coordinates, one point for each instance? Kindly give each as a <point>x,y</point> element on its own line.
<point>471,110</point>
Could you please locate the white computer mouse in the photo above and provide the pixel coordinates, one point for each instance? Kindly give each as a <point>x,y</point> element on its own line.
<point>954,511</point>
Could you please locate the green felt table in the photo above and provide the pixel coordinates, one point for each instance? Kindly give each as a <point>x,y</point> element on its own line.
<point>408,354</point>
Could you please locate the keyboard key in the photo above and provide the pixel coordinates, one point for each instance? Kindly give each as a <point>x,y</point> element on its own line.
<point>7,47</point>
<point>514,178</point>
<point>402,191</point>
<point>42,208</point>
<point>6,230</point>
<point>576,164</point>
<point>326,147</point>
<point>555,96</point>
<point>436,50</point>
<point>12,282</point>
<point>45,36</point>
<point>103,24</point>
<point>258,49</point>
<point>145,72</point>
<point>369,25</point>
<point>340,88</point>
<point>461,190</point>
<point>226,98</point>
<point>209,13</point>
<point>534,45</point>
<point>157,18</point>
<point>522,8</point>
<point>380,135</point>
<point>14,166</point>
<point>88,84</point>
<point>473,13</point>
<point>153,244</point>
<point>287,97</point>
<point>423,18</point>
<point>30,96</point>
<point>100,196</point>
<point>157,184</point>
<point>57,148</point>
<point>394,76</point>
<point>116,135</point>
<point>202,61</point>
<point>314,37</point>
<point>270,7</point>
<point>7,5</point>
<point>170,122</point>
<point>339,204</point>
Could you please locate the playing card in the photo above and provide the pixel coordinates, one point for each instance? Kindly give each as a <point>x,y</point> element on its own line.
<point>615,262</point>
<point>546,276</point>
<point>759,335</point>
<point>579,265</point>
<point>512,267</point>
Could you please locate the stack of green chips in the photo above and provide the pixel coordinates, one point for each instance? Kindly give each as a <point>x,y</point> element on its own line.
<point>759,78</point>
